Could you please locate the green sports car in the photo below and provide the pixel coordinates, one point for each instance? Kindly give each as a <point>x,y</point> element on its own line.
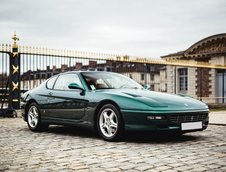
<point>110,103</point>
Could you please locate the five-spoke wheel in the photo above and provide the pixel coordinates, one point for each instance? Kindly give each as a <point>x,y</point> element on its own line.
<point>34,119</point>
<point>109,123</point>
<point>33,116</point>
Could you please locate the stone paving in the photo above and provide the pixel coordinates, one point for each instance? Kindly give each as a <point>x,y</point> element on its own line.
<point>76,149</point>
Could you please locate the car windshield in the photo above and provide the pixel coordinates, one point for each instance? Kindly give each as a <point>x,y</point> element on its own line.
<point>109,80</point>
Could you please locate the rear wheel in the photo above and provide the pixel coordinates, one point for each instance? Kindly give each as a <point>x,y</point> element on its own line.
<point>34,119</point>
<point>109,123</point>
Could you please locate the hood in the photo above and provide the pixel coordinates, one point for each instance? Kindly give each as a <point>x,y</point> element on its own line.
<point>162,101</point>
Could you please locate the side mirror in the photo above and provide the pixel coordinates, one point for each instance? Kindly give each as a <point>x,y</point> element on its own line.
<point>75,86</point>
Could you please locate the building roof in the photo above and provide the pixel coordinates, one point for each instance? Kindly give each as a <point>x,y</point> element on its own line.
<point>179,53</point>
<point>212,45</point>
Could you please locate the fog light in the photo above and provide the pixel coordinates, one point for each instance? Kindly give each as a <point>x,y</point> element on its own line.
<point>155,117</point>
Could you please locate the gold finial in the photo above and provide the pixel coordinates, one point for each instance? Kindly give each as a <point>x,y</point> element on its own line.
<point>15,38</point>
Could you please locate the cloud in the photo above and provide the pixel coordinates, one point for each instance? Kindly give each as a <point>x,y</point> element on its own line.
<point>146,28</point>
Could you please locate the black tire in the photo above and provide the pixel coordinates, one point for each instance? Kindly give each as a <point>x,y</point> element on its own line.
<point>110,125</point>
<point>34,119</point>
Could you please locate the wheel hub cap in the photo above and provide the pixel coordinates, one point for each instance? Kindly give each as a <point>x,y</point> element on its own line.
<point>33,116</point>
<point>108,122</point>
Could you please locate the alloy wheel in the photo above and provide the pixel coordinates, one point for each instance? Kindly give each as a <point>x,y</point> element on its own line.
<point>33,116</point>
<point>108,123</point>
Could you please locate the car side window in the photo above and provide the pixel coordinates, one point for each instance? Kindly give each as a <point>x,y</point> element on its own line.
<point>51,82</point>
<point>64,80</point>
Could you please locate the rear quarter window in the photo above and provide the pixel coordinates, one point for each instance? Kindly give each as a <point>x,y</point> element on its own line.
<point>50,83</point>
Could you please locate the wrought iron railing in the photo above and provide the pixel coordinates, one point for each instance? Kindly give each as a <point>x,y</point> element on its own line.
<point>26,67</point>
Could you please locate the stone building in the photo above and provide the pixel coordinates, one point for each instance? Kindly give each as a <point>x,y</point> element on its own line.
<point>203,83</point>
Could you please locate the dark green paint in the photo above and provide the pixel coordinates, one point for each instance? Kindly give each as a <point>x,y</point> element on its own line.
<point>73,108</point>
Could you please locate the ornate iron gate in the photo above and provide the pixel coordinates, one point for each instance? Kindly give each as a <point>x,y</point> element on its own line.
<point>4,76</point>
<point>23,68</point>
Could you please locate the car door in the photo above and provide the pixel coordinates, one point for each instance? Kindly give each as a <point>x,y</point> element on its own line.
<point>46,97</point>
<point>65,103</point>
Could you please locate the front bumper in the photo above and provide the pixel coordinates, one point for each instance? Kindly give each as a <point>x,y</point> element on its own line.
<point>138,120</point>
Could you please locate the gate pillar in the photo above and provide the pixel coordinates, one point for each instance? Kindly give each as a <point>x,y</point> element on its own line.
<point>14,76</point>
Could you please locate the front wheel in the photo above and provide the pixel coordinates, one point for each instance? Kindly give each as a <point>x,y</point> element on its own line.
<point>34,118</point>
<point>109,123</point>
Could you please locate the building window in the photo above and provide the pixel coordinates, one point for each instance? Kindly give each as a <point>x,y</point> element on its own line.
<point>37,76</point>
<point>152,87</point>
<point>99,69</point>
<point>142,76</point>
<point>183,79</point>
<point>108,68</point>
<point>152,76</point>
<point>43,76</point>
<point>152,68</point>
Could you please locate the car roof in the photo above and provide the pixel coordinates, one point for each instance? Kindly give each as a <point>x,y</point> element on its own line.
<point>83,72</point>
<point>77,72</point>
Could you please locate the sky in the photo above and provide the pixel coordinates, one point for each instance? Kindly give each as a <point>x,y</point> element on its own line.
<point>145,28</point>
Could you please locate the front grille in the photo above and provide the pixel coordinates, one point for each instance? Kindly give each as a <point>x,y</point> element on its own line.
<point>179,118</point>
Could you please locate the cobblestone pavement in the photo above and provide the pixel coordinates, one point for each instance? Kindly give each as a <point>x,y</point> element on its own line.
<point>75,149</point>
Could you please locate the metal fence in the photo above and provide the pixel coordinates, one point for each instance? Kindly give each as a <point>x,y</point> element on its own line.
<point>4,77</point>
<point>23,68</point>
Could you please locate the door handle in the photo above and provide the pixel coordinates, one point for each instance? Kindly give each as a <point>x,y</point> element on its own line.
<point>50,93</point>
